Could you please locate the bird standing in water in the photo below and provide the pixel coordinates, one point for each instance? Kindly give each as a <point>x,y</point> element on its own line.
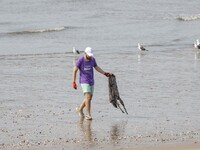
<point>75,51</point>
<point>197,44</point>
<point>141,48</point>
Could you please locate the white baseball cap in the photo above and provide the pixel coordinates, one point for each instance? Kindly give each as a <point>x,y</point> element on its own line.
<point>88,51</point>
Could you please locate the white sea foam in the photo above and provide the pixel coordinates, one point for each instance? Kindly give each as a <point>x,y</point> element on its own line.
<point>189,17</point>
<point>39,30</point>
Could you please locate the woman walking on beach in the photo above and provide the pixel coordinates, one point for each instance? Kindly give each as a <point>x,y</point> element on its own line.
<point>85,65</point>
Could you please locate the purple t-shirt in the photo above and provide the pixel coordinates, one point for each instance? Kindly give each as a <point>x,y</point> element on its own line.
<point>86,69</point>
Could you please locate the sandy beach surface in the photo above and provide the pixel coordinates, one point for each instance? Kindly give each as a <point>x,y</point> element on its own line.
<point>37,107</point>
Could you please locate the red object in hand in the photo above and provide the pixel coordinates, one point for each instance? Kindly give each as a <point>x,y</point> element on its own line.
<point>107,74</point>
<point>74,85</point>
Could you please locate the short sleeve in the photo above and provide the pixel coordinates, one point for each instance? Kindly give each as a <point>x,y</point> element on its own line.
<point>78,62</point>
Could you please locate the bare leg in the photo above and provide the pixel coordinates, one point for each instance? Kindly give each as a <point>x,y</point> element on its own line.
<point>86,103</point>
<point>82,105</point>
<point>88,98</point>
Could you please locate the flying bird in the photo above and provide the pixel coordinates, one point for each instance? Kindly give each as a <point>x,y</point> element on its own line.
<point>75,51</point>
<point>140,47</point>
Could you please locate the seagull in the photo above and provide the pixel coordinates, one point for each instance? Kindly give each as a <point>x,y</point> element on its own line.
<point>140,47</point>
<point>75,51</point>
<point>197,44</point>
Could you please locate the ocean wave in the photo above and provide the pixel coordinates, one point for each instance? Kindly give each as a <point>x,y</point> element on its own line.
<point>39,30</point>
<point>189,17</point>
<point>24,56</point>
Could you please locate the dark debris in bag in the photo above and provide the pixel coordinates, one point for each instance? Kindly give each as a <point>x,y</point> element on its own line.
<point>114,97</point>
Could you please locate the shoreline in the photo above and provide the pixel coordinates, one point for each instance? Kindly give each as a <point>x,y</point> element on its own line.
<point>179,146</point>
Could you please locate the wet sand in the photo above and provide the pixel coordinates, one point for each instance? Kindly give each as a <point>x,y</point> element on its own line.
<point>167,147</point>
<point>37,105</point>
<point>23,131</point>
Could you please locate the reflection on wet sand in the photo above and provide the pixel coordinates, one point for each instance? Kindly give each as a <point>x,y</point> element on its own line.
<point>140,55</point>
<point>75,58</point>
<point>197,55</point>
<point>117,131</point>
<point>85,127</point>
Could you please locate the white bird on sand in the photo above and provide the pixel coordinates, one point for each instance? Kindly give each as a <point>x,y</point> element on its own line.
<point>75,51</point>
<point>197,44</point>
<point>140,47</point>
